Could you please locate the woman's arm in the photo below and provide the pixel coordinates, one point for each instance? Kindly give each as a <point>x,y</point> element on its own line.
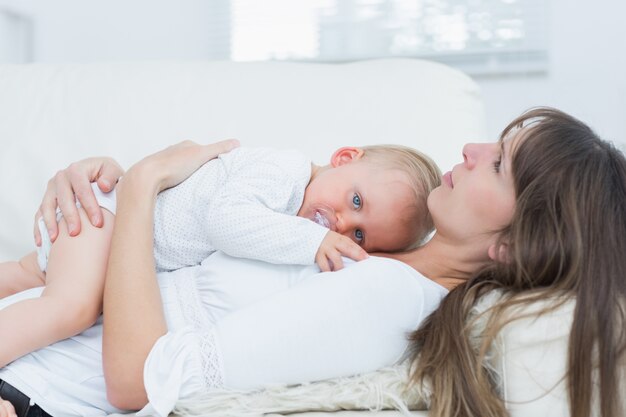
<point>133,313</point>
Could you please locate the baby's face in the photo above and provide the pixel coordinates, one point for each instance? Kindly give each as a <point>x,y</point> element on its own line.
<point>370,205</point>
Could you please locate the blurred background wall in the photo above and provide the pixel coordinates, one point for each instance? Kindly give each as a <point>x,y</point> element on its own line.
<point>583,73</point>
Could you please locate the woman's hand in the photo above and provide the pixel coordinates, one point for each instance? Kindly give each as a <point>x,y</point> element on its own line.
<point>172,165</point>
<point>6,409</point>
<point>71,183</point>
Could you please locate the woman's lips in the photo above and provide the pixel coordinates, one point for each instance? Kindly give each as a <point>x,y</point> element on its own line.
<point>447,178</point>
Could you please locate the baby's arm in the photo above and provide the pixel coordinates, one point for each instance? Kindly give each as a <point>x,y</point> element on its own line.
<point>246,228</point>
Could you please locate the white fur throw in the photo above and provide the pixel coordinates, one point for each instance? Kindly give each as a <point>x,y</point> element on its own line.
<point>383,389</point>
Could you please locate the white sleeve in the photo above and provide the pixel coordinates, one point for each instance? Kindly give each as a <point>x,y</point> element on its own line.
<point>334,324</point>
<point>181,364</point>
<point>254,214</point>
<point>244,228</point>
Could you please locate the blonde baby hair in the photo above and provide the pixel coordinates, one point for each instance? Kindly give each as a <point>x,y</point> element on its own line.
<point>424,176</point>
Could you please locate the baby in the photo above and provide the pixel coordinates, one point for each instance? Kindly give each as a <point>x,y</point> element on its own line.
<point>271,205</point>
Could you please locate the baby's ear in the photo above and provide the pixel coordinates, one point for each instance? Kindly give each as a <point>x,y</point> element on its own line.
<point>346,155</point>
<point>499,253</point>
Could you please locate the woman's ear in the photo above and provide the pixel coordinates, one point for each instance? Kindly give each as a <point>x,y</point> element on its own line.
<point>346,155</point>
<point>499,253</point>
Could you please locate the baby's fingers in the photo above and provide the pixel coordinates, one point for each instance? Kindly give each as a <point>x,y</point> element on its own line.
<point>334,259</point>
<point>351,249</point>
<point>328,260</point>
<point>322,262</point>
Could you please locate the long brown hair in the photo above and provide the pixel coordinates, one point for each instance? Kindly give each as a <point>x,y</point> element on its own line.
<point>567,237</point>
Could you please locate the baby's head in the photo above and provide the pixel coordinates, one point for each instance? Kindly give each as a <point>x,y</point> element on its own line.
<point>376,195</point>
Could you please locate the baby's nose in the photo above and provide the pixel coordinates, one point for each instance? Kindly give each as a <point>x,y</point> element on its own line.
<point>345,224</point>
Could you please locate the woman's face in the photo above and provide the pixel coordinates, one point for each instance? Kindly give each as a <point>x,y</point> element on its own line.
<point>476,198</point>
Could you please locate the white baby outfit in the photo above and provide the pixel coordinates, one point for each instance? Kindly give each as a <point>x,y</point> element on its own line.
<point>242,324</point>
<point>243,203</point>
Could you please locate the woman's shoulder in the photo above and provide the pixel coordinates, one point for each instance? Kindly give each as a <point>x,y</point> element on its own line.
<point>382,286</point>
<point>394,272</point>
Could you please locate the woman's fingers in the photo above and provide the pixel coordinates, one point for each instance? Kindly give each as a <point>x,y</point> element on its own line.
<point>198,155</point>
<point>110,173</point>
<point>47,209</point>
<point>74,183</point>
<point>6,409</point>
<point>71,184</point>
<point>213,149</point>
<point>36,233</point>
<point>172,165</point>
<point>79,176</point>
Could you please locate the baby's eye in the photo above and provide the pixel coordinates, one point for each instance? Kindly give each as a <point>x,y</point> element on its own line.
<point>356,201</point>
<point>358,235</point>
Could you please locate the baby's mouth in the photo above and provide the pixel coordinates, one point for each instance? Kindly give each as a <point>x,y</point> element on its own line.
<point>321,220</point>
<point>324,216</point>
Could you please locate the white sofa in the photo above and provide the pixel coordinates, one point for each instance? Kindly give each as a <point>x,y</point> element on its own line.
<point>51,115</point>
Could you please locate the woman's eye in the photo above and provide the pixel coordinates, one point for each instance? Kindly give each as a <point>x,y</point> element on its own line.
<point>496,164</point>
<point>358,235</point>
<point>356,201</point>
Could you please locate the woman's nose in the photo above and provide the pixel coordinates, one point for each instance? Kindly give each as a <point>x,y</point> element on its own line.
<point>470,152</point>
<point>473,153</point>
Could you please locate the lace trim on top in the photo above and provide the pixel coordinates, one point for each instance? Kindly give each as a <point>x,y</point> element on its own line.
<point>191,309</point>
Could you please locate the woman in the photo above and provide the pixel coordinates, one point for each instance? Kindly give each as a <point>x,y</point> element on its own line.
<point>566,239</point>
<point>476,212</point>
<point>226,323</point>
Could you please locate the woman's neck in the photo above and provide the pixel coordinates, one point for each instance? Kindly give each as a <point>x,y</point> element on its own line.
<point>447,264</point>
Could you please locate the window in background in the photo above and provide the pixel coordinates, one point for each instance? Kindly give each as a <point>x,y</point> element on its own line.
<point>477,36</point>
<point>15,37</point>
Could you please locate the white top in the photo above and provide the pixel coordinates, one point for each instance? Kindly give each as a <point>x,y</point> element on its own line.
<point>243,203</point>
<point>237,323</point>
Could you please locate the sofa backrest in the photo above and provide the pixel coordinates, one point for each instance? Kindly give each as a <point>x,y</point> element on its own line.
<point>51,115</point>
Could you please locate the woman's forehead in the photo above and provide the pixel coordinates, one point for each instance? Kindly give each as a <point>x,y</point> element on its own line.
<point>513,139</point>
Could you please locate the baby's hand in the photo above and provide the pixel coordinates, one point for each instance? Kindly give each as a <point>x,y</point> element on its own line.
<point>333,247</point>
